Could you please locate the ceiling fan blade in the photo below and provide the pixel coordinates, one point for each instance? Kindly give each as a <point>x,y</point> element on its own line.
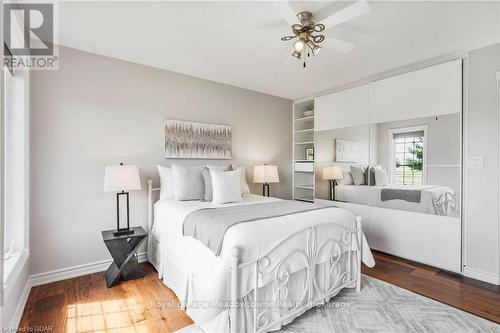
<point>338,45</point>
<point>286,11</point>
<point>274,39</point>
<point>346,14</point>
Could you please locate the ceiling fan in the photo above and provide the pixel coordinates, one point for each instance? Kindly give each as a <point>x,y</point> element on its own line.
<point>307,32</point>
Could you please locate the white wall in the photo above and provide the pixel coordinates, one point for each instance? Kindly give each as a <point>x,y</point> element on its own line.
<point>481,185</point>
<point>96,111</point>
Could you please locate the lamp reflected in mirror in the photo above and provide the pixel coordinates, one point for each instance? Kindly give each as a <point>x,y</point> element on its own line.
<point>332,173</point>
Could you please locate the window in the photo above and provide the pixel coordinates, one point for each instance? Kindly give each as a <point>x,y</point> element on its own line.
<point>408,155</point>
<point>15,140</point>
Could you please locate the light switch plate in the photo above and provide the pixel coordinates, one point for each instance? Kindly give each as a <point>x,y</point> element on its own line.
<point>475,162</point>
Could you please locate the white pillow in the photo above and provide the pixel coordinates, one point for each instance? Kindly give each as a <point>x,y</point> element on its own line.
<point>381,178</point>
<point>245,189</point>
<point>226,186</point>
<point>220,167</point>
<point>346,178</point>
<point>188,183</point>
<point>166,182</point>
<point>205,171</point>
<point>358,174</point>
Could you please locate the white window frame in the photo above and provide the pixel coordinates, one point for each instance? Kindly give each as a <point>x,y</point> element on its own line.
<point>391,163</point>
<point>22,253</point>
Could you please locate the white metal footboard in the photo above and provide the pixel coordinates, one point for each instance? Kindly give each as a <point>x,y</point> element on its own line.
<point>314,293</point>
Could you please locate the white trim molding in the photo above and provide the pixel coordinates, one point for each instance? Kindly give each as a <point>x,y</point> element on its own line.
<point>12,276</point>
<point>498,147</point>
<point>75,271</point>
<point>18,313</point>
<point>480,275</point>
<point>59,275</point>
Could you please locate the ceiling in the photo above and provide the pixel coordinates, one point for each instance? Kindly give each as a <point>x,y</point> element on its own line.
<point>217,40</point>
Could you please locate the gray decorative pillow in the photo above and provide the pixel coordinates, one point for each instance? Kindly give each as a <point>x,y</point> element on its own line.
<point>358,174</point>
<point>207,179</point>
<point>208,184</point>
<point>370,175</point>
<point>188,183</point>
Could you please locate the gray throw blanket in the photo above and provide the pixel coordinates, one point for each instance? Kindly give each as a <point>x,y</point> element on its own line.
<point>209,225</point>
<point>406,195</point>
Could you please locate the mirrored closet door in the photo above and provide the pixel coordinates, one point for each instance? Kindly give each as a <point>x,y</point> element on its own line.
<point>392,151</point>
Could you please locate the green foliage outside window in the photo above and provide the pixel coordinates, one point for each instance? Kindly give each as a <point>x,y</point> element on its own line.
<point>417,160</point>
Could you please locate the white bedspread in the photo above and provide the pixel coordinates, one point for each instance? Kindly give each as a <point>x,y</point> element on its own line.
<point>210,273</point>
<point>370,195</point>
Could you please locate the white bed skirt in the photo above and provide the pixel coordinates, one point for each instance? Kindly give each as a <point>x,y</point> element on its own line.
<point>194,295</point>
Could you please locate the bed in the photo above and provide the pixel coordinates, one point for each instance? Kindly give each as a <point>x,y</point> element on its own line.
<point>284,264</point>
<point>437,200</point>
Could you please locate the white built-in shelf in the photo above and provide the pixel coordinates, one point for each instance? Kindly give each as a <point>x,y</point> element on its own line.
<point>305,130</point>
<point>303,137</point>
<point>304,118</point>
<point>305,187</point>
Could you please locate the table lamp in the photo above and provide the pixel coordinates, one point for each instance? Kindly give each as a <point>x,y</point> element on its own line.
<point>332,173</point>
<point>119,179</point>
<point>265,174</point>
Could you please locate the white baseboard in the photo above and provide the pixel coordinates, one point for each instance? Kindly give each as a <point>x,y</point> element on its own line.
<point>480,275</point>
<point>75,271</point>
<point>59,275</point>
<point>18,313</point>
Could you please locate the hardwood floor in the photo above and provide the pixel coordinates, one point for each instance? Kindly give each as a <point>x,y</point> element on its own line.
<point>84,304</point>
<point>479,298</point>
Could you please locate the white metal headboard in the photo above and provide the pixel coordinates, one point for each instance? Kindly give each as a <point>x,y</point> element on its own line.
<point>150,210</point>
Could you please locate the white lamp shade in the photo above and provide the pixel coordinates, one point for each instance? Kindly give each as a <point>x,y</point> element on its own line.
<point>265,174</point>
<point>332,172</point>
<point>119,178</point>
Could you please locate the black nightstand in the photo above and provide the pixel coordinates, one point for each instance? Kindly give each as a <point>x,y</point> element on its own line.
<point>123,250</point>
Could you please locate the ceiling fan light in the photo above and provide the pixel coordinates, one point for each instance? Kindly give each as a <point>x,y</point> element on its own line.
<point>313,46</point>
<point>296,54</point>
<point>299,45</point>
